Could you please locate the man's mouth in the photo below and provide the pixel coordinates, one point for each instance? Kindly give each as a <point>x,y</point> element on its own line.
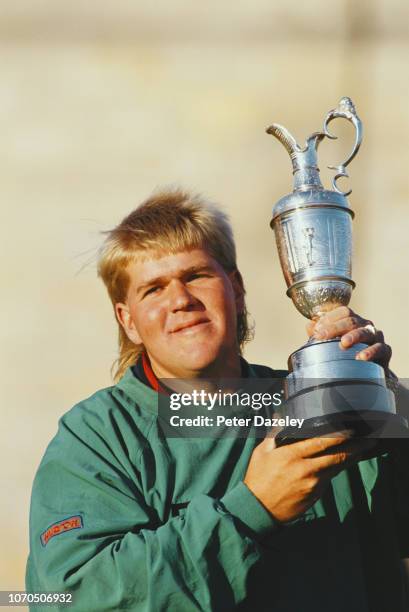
<point>189,327</point>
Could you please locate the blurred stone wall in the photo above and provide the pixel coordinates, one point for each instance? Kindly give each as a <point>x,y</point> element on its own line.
<point>101,102</point>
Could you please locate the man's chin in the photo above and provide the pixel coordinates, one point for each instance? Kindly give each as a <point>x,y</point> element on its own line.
<point>220,362</point>
<point>195,362</point>
<point>195,365</point>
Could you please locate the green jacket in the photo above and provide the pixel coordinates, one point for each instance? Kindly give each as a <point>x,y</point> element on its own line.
<point>128,519</point>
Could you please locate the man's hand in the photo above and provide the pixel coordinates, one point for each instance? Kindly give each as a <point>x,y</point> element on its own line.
<point>290,479</point>
<point>352,328</point>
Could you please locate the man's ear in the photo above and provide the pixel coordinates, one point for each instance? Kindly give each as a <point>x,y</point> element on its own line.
<point>236,280</point>
<point>124,318</point>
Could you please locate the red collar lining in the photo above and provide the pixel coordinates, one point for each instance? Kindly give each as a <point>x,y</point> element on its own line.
<point>150,374</point>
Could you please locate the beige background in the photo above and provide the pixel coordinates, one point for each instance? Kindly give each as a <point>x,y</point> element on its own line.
<point>101,102</point>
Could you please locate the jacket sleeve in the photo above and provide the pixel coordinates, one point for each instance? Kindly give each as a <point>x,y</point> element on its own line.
<point>93,534</point>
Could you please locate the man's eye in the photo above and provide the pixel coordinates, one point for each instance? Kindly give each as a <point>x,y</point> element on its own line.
<point>151,290</point>
<point>198,275</point>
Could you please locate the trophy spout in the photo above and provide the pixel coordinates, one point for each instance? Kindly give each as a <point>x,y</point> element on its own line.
<point>304,159</point>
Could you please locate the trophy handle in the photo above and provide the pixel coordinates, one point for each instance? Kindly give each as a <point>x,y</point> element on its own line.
<point>346,110</point>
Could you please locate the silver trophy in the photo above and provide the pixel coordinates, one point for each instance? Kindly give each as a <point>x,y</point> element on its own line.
<point>326,386</point>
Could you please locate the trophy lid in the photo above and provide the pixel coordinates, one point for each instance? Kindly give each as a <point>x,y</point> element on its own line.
<point>308,189</point>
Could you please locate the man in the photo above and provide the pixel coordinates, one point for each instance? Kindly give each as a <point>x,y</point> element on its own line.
<point>125,518</point>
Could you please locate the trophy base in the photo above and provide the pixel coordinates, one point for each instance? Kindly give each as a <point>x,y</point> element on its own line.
<point>385,429</point>
<point>328,390</point>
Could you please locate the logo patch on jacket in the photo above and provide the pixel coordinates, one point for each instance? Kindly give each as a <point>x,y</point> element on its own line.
<point>72,522</point>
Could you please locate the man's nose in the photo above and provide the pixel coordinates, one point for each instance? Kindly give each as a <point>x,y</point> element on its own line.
<point>180,297</point>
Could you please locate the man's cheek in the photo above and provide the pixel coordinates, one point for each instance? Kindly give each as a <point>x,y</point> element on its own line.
<point>150,317</point>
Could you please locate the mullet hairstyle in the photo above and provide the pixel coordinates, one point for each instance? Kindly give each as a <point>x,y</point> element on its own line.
<point>168,222</point>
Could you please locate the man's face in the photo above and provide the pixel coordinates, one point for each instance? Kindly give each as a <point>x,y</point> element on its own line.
<point>183,307</point>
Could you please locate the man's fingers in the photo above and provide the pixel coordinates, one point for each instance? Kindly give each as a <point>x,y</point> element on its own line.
<point>329,317</point>
<point>314,446</point>
<point>342,312</point>
<point>351,452</point>
<point>269,443</point>
<point>326,329</point>
<point>377,352</point>
<point>310,327</point>
<point>361,334</point>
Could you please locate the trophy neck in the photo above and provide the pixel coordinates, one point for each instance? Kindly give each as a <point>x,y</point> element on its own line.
<point>305,167</point>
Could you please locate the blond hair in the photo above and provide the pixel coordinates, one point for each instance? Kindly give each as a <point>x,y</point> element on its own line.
<point>170,221</point>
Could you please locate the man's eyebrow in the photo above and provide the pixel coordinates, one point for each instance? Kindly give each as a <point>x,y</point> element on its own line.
<point>161,280</point>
